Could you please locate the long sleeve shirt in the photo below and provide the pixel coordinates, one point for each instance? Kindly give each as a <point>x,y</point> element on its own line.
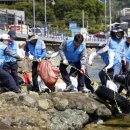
<point>83,54</point>
<point>8,52</point>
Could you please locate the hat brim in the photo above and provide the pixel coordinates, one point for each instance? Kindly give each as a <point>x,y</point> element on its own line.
<point>118,30</point>
<point>33,38</point>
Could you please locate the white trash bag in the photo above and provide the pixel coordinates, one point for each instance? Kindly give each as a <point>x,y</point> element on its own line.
<point>74,83</point>
<point>41,84</point>
<point>111,85</point>
<point>60,87</point>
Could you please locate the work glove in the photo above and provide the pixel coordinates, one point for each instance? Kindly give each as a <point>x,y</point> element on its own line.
<point>65,62</point>
<point>31,57</point>
<point>82,71</point>
<point>21,57</point>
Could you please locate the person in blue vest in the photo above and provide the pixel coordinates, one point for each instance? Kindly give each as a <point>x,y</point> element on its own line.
<point>6,79</point>
<point>126,61</point>
<point>117,44</point>
<point>73,52</point>
<point>35,50</point>
<point>127,51</point>
<point>10,64</point>
<point>107,55</point>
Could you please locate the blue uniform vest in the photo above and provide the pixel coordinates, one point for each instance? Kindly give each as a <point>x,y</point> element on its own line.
<point>71,55</point>
<point>2,55</point>
<point>105,57</point>
<point>36,50</point>
<point>127,53</point>
<point>118,47</point>
<point>13,47</point>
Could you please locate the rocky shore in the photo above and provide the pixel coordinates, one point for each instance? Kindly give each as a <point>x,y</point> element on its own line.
<point>54,111</point>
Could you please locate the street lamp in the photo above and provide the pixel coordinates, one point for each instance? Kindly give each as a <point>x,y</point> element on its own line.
<point>34,15</point>
<point>110,15</point>
<point>45,18</point>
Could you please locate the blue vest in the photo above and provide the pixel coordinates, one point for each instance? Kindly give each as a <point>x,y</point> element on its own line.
<point>105,57</point>
<point>2,55</point>
<point>13,47</point>
<point>71,55</point>
<point>36,50</point>
<point>118,47</point>
<point>127,53</point>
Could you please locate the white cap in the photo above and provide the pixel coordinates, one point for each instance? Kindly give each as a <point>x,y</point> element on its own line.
<point>5,37</point>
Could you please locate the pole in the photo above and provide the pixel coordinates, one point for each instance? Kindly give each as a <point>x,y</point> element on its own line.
<point>105,16</point>
<point>45,22</point>
<point>110,15</point>
<point>83,18</point>
<point>34,15</point>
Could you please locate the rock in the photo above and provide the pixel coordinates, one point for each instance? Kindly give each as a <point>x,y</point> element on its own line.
<point>9,96</point>
<point>60,104</point>
<point>27,100</point>
<point>6,121</point>
<point>68,120</point>
<point>103,111</point>
<point>44,104</point>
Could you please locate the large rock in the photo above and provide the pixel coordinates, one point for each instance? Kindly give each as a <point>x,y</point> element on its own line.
<point>68,120</point>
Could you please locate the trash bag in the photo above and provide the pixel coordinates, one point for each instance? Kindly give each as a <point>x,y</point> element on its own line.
<point>26,78</point>
<point>48,73</point>
<point>42,86</point>
<point>111,85</point>
<point>61,86</point>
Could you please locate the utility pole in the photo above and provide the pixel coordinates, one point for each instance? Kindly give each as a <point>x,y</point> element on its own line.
<point>34,15</point>
<point>105,17</point>
<point>110,15</point>
<point>45,22</point>
<point>83,18</point>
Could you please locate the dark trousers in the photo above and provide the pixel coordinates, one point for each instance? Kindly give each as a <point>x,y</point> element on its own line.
<point>8,81</point>
<point>66,75</point>
<point>103,77</point>
<point>87,81</point>
<point>12,68</point>
<point>35,76</point>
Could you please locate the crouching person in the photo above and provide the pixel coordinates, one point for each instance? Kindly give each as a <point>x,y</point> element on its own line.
<point>73,52</point>
<point>6,79</point>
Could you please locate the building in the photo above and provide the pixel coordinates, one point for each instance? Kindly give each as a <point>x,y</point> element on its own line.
<point>124,16</point>
<point>124,19</point>
<point>10,16</point>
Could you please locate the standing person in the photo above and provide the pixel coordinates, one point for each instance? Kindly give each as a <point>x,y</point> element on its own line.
<point>73,52</point>
<point>117,44</point>
<point>125,62</point>
<point>35,49</point>
<point>5,77</point>
<point>127,51</point>
<point>10,64</point>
